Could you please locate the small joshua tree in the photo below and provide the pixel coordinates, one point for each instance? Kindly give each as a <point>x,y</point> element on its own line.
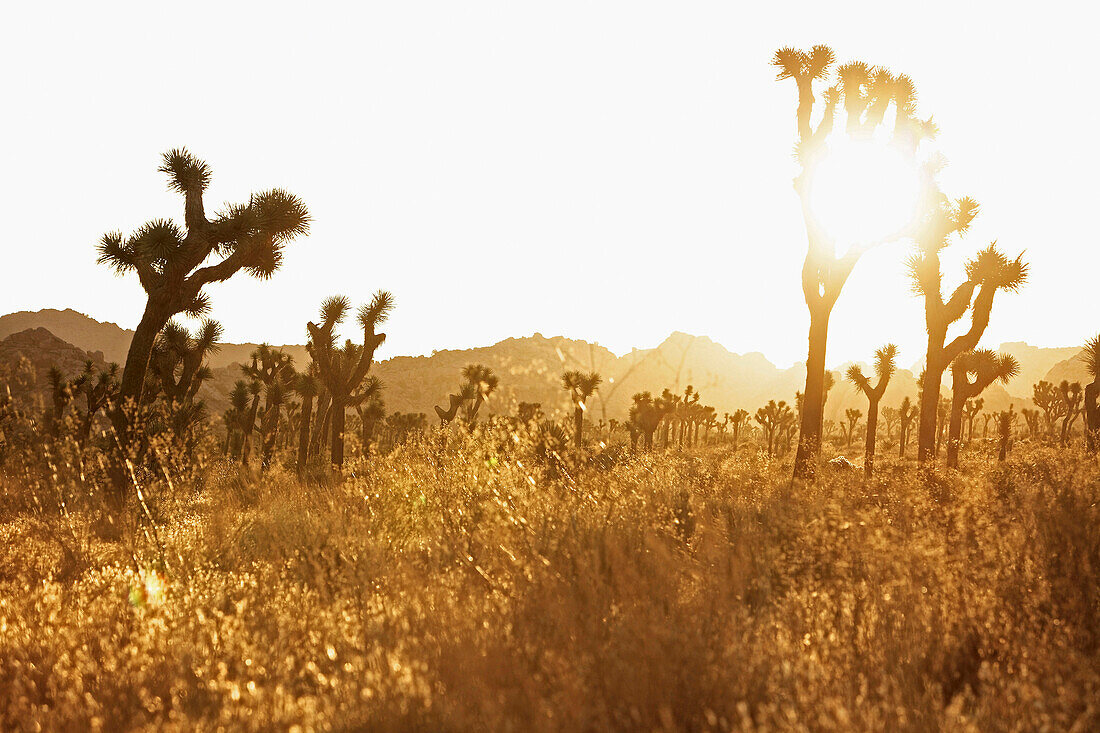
<point>98,388</point>
<point>480,384</point>
<point>906,413</point>
<point>852,416</point>
<point>308,388</point>
<point>772,417</point>
<point>1071,406</point>
<point>971,373</point>
<point>174,264</point>
<point>371,408</point>
<point>1048,399</point>
<point>970,411</point>
<point>885,367</point>
<point>1006,420</point>
<point>342,369</point>
<point>580,386</point>
<point>273,369</point>
<point>1091,406</point>
<point>178,368</point>
<point>737,421</point>
<point>645,417</point>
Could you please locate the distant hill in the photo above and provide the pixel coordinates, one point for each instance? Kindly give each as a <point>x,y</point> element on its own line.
<point>43,350</point>
<point>530,369</point>
<point>113,340</point>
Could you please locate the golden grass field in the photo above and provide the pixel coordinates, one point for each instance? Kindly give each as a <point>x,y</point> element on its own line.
<point>465,587</point>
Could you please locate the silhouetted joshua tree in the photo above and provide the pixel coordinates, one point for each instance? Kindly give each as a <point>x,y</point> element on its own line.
<point>178,368</point>
<point>771,417</point>
<point>737,421</point>
<point>1032,417</point>
<point>646,415</point>
<point>479,386</point>
<point>240,419</point>
<point>342,369</point>
<point>174,264</point>
<point>884,369</point>
<point>98,387</point>
<point>867,94</point>
<point>971,373</point>
<point>986,273</point>
<point>1047,398</point>
<point>906,413</point>
<point>274,369</point>
<point>580,387</point>
<point>852,416</point>
<point>1091,406</point>
<point>1071,410</point>
<point>308,386</point>
<point>970,411</point>
<point>371,408</point>
<point>1006,419</point>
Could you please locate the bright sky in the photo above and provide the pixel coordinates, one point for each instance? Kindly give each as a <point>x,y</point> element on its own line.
<point>610,171</point>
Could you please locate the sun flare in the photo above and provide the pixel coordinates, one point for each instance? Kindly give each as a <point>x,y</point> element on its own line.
<point>863,192</point>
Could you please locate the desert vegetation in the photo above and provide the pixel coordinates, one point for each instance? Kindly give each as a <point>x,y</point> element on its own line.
<point>309,560</point>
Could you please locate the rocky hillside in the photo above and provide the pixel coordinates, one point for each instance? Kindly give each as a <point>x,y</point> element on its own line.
<point>42,350</point>
<point>530,369</point>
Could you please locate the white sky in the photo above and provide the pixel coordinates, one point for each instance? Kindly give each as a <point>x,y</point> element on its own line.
<point>605,171</point>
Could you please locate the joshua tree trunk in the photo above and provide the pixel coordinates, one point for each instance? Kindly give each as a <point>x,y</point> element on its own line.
<point>338,415</point>
<point>578,423</point>
<point>1003,454</point>
<point>250,425</point>
<point>869,445</point>
<point>954,432</point>
<point>303,433</point>
<point>270,429</point>
<point>1092,416</point>
<point>813,398</point>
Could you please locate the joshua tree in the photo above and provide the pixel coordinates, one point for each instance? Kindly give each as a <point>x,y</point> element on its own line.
<point>240,419</point>
<point>61,394</point>
<point>342,369</point>
<point>174,264</point>
<point>970,411</point>
<point>580,387</point>
<point>1091,406</point>
<point>852,416</point>
<point>1048,399</point>
<point>273,369</point>
<point>867,94</point>
<point>1006,419</point>
<point>771,418</point>
<point>99,387</point>
<point>1032,417</point>
<point>986,273</point>
<point>479,385</point>
<point>884,369</point>
<point>371,408</point>
<point>177,368</point>
<point>737,421</point>
<point>906,413</point>
<point>645,416</point>
<point>1071,401</point>
<point>985,367</point>
<point>308,387</point>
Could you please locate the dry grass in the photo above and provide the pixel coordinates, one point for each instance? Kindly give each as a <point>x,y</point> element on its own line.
<point>462,589</point>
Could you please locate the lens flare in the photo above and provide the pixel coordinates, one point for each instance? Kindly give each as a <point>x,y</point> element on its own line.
<point>862,192</point>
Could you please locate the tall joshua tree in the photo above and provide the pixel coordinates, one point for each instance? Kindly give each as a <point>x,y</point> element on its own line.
<point>885,367</point>
<point>1091,406</point>
<point>342,369</point>
<point>986,273</point>
<point>867,94</point>
<point>174,263</point>
<point>1047,398</point>
<point>580,387</point>
<point>971,373</point>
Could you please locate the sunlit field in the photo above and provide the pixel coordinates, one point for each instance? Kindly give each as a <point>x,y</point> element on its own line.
<point>474,582</point>
<point>326,473</point>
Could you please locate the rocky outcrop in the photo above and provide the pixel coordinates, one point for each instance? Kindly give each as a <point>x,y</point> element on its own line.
<point>41,350</point>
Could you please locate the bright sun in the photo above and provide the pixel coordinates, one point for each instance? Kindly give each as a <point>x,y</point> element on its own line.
<point>862,192</point>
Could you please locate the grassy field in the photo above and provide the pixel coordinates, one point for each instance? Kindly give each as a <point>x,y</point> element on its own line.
<point>473,586</point>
